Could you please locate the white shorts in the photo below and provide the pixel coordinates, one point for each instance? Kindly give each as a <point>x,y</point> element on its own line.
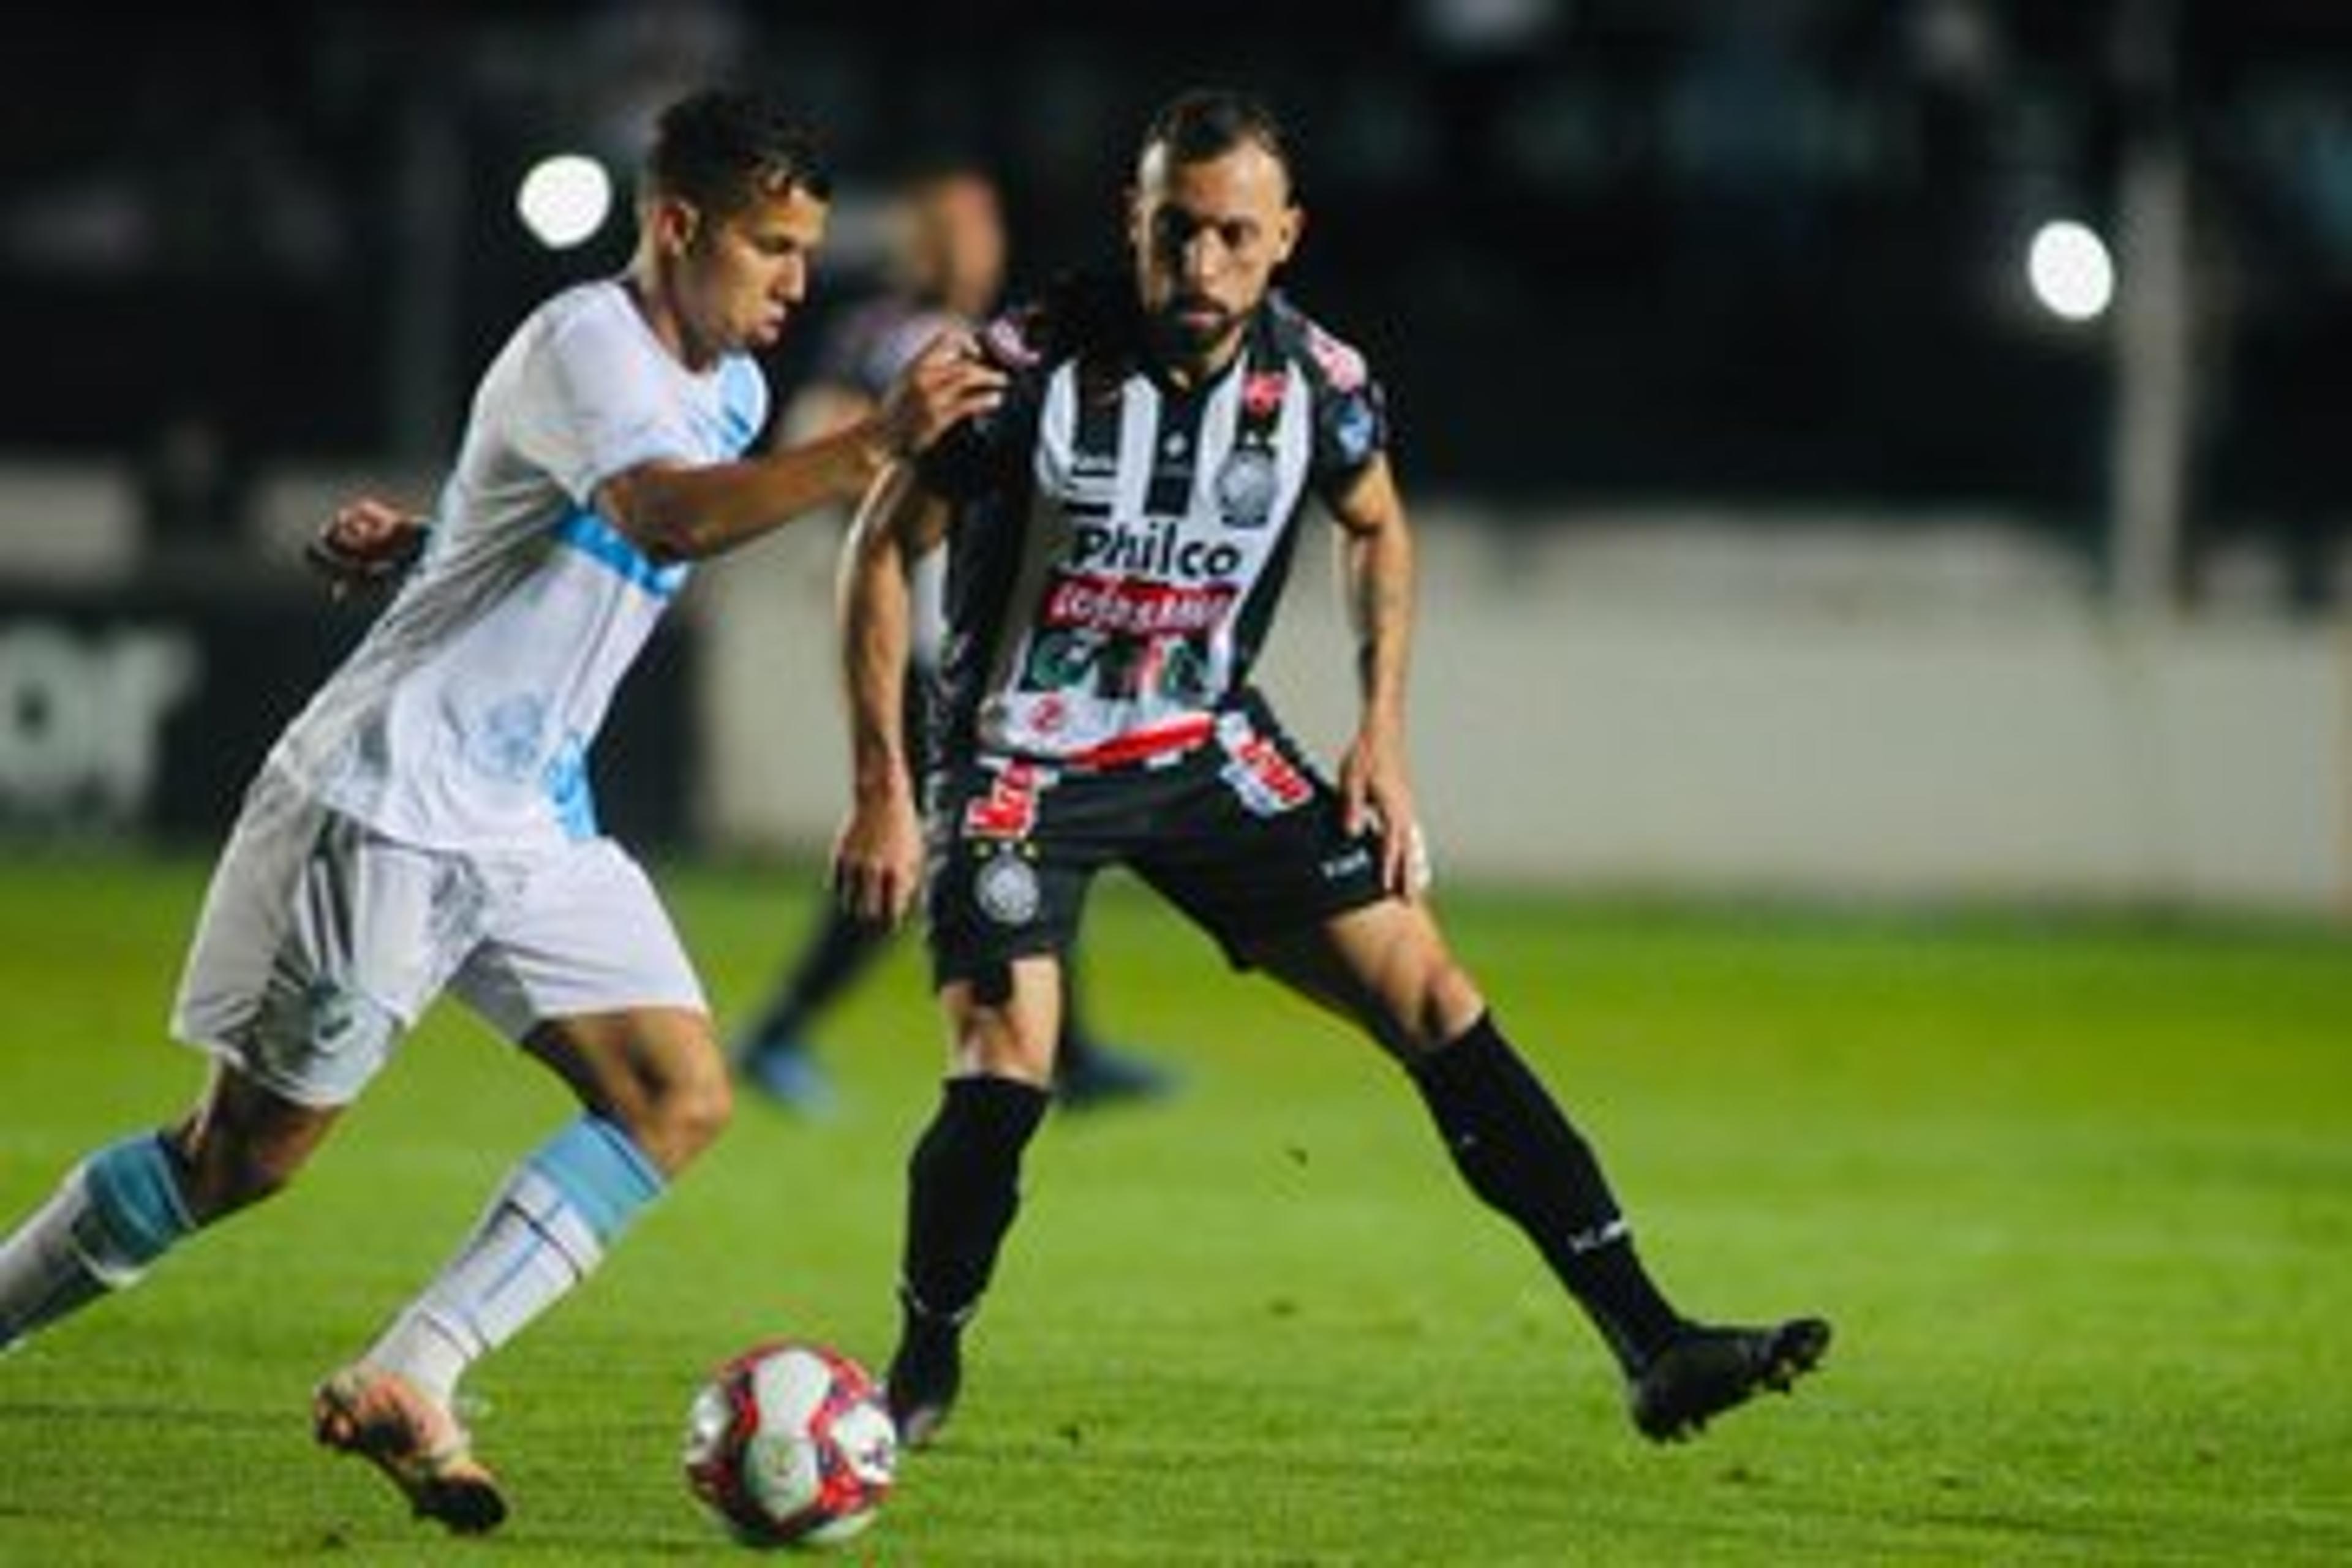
<point>321,943</point>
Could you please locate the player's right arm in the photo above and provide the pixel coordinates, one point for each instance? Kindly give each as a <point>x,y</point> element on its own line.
<point>681,513</point>
<point>878,855</point>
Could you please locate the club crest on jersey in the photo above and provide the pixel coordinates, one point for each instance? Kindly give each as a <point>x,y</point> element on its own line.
<point>1005,887</point>
<point>1246,488</point>
<point>505,741</point>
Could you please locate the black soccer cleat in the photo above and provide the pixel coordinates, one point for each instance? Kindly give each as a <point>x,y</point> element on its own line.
<point>1708,1371</point>
<point>925,1372</point>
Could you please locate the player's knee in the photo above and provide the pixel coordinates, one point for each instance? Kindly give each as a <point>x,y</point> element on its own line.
<point>685,1116</point>
<point>1441,1004</point>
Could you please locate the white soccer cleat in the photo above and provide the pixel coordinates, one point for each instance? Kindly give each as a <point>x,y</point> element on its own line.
<point>415,1442</point>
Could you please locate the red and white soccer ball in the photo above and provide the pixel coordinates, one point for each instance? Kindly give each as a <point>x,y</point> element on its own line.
<point>789,1443</point>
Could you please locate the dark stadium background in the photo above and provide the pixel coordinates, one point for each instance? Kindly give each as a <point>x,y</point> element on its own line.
<point>1762,248</point>
<point>1759,258</point>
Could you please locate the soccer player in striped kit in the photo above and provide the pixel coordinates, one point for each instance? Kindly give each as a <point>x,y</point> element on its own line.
<point>425,825</point>
<point>1118,531</point>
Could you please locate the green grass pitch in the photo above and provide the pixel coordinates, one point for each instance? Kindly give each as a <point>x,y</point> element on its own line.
<point>2078,1193</point>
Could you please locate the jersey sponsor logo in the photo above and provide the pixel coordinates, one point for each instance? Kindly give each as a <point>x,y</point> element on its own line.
<point>1246,487</point>
<point>1266,781</point>
<point>1111,668</point>
<point>1009,809</point>
<point>1144,609</point>
<point>1158,548</point>
<point>334,1010</point>
<point>1346,864</point>
<point>1005,887</point>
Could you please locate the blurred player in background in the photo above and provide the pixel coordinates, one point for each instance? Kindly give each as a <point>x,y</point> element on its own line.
<point>1119,533</point>
<point>425,824</point>
<point>945,251</point>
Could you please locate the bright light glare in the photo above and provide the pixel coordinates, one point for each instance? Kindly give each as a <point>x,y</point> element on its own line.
<point>2070,268</point>
<point>564,199</point>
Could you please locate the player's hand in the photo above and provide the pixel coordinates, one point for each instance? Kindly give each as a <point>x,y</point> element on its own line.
<point>366,542</point>
<point>950,382</point>
<point>878,858</point>
<point>1376,795</point>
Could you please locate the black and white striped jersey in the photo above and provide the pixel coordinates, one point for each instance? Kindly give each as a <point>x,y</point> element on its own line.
<point>1119,543</point>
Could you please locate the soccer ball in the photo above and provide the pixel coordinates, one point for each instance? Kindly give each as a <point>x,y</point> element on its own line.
<point>789,1443</point>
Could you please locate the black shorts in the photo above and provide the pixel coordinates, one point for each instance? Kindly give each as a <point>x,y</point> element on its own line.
<point>1239,832</point>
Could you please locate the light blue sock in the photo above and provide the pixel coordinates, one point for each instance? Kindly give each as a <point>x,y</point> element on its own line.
<point>114,1214</point>
<point>546,1229</point>
<point>600,1170</point>
<point>136,1210</point>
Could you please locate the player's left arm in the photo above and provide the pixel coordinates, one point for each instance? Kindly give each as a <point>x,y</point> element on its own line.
<point>1376,573</point>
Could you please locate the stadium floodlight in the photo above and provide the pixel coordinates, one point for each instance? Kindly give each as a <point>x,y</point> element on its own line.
<point>564,199</point>
<point>2071,273</point>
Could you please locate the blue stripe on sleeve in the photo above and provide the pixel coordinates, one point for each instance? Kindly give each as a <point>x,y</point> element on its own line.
<point>608,547</point>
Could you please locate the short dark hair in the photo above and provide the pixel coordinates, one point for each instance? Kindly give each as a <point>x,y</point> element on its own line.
<point>1207,122</point>
<point>722,149</point>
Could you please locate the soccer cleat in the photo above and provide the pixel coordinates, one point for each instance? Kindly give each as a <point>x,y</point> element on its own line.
<point>385,1420</point>
<point>1708,1371</point>
<point>788,1073</point>
<point>925,1372</point>
<point>1097,1075</point>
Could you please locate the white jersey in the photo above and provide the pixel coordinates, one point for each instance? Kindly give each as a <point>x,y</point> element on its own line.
<point>465,718</point>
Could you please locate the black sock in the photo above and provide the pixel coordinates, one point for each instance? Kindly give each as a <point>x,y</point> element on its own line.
<point>1517,1151</point>
<point>963,1186</point>
<point>842,946</point>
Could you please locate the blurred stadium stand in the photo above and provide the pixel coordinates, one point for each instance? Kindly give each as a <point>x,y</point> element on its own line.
<point>1725,295</point>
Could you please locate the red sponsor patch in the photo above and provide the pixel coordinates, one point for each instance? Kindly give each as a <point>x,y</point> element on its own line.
<point>1138,609</point>
<point>1262,394</point>
<point>1264,770</point>
<point>1009,809</point>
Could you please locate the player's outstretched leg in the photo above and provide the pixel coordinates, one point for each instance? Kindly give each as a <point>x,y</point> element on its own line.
<point>963,1189</point>
<point>112,1215</point>
<point>414,1440</point>
<point>1708,1370</point>
<point>546,1229</point>
<point>1518,1151</point>
<point>926,1371</point>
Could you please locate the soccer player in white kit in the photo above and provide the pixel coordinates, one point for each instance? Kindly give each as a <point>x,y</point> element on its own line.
<point>426,822</point>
